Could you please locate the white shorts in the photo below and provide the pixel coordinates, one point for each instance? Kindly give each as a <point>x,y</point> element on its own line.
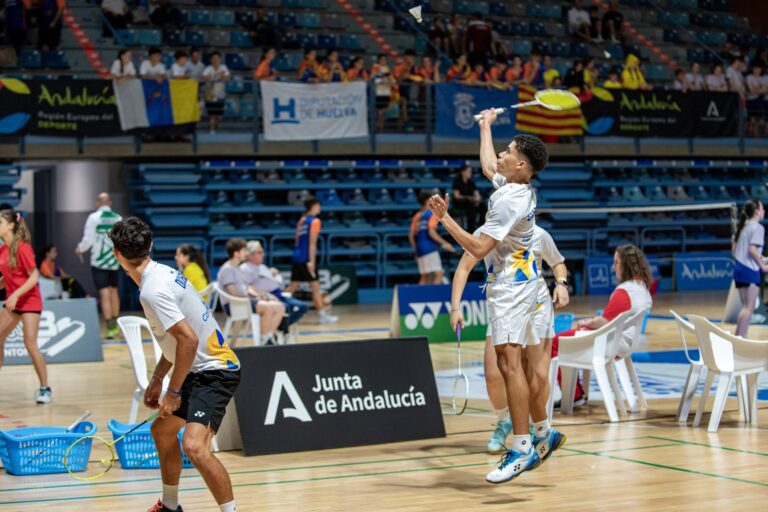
<point>544,316</point>
<point>429,263</point>
<point>511,309</point>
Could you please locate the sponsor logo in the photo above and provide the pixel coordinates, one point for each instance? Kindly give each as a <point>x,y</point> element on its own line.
<point>712,270</point>
<point>599,276</point>
<point>282,383</point>
<point>54,337</point>
<point>424,314</point>
<point>464,107</point>
<point>199,414</point>
<point>289,109</point>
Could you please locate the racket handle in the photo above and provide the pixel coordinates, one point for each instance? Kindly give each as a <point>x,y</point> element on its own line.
<point>78,420</point>
<point>498,111</point>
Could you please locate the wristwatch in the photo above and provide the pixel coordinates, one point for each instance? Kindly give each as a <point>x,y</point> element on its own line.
<point>562,282</point>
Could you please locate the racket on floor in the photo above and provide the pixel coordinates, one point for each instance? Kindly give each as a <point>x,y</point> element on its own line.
<point>460,382</point>
<point>104,451</point>
<point>75,423</point>
<point>553,99</point>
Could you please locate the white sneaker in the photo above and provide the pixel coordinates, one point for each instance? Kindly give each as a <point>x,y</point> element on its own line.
<point>44,396</point>
<point>597,40</point>
<point>512,464</point>
<point>326,318</point>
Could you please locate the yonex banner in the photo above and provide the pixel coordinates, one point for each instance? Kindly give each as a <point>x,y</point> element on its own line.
<point>69,333</point>
<point>314,111</point>
<point>426,311</point>
<point>329,395</point>
<point>703,271</point>
<point>457,104</point>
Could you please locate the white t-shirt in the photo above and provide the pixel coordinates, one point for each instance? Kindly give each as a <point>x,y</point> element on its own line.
<point>695,81</point>
<point>735,79</point>
<point>147,70</point>
<point>179,71</point>
<point>753,233</point>
<point>754,82</point>
<point>210,71</point>
<point>117,7</point>
<point>128,70</point>
<point>215,90</point>
<point>260,277</point>
<point>715,82</point>
<point>195,69</point>
<point>577,17</point>
<point>510,221</point>
<point>167,298</point>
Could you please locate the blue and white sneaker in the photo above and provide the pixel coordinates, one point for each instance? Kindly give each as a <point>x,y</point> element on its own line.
<point>512,464</point>
<point>544,447</point>
<point>496,443</point>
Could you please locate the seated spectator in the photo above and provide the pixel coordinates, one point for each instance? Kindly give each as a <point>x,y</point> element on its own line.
<point>358,72</point>
<point>195,64</point>
<point>385,85</point>
<point>49,24</point>
<point>681,82</point>
<point>266,68</point>
<point>550,73</point>
<point>478,40</point>
<point>440,36</point>
<point>735,76</point>
<point>467,197</point>
<point>579,24</point>
<point>332,70</point>
<point>262,32</point>
<point>117,14</point>
<point>760,59</point>
<point>716,79</point>
<point>695,80</point>
<point>533,71</point>
<point>613,24</point>
<point>477,75</point>
<point>755,100</point>
<point>153,67</point>
<point>591,73</point>
<point>214,77</point>
<point>574,78</point>
<point>191,262</point>
<point>123,68</point>
<point>15,24</point>
<point>429,71</point>
<point>232,280</point>
<point>632,78</point>
<point>180,68</point>
<point>632,294</point>
<point>460,71</point>
<point>51,270</point>
<point>494,77</point>
<point>166,16</point>
<point>309,68</point>
<point>613,80</point>
<point>514,73</point>
<point>268,280</point>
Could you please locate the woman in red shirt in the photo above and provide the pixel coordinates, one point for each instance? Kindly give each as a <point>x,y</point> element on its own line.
<point>23,301</point>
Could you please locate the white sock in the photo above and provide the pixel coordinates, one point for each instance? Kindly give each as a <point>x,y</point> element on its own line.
<point>228,507</point>
<point>521,444</point>
<point>171,496</point>
<point>502,414</point>
<point>541,429</point>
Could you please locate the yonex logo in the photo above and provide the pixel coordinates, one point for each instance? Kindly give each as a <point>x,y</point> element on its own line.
<point>199,414</point>
<point>424,314</point>
<point>422,317</point>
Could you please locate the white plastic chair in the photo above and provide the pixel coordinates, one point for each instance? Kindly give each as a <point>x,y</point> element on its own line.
<point>210,296</point>
<point>694,371</point>
<point>625,369</point>
<point>593,351</point>
<point>50,288</point>
<point>728,357</point>
<point>131,327</point>
<point>240,313</point>
<point>552,385</point>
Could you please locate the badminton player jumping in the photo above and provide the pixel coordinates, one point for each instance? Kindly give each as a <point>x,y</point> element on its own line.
<point>205,373</point>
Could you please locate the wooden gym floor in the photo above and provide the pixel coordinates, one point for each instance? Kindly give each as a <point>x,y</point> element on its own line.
<point>645,462</point>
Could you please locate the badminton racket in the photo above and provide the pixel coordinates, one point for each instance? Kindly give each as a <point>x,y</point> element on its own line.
<point>102,466</point>
<point>553,99</point>
<point>460,382</point>
<point>69,428</point>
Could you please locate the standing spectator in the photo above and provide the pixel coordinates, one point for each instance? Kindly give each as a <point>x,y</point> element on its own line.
<point>729,52</point>
<point>384,85</point>
<point>309,68</point>
<point>613,81</point>
<point>499,48</point>
<point>358,72</point>
<point>495,75</point>
<point>613,23</point>
<point>50,269</point>
<point>49,24</point>
<point>591,73</point>
<point>429,71</point>
<point>574,79</point>
<point>632,78</point>
<point>460,71</point>
<point>104,266</point>
<point>262,32</point>
<point>191,262</point>
<point>550,73</point>
<point>331,70</point>
<point>755,101</point>
<point>578,22</point>
<point>153,67</point>
<point>735,76</point>
<point>215,92</point>
<point>15,24</point>
<point>305,260</point>
<point>533,71</point>
<point>166,16</point>
<point>695,80</point>
<point>123,68</point>
<point>456,29</point>
<point>180,68</point>
<point>425,240</point>
<point>514,73</point>
<point>716,81</point>
<point>467,197</point>
<point>477,75</point>
<point>761,59</point>
<point>195,64</point>
<point>748,258</point>
<point>266,68</point>
<point>681,82</point>
<point>478,40</point>
<point>407,77</point>
<point>440,35</point>
<point>116,13</point>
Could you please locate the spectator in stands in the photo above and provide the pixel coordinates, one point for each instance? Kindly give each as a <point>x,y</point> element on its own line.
<point>612,25</point>
<point>262,32</point>
<point>760,59</point>
<point>456,29</point>
<point>429,71</point>
<point>748,258</point>
<point>166,16</point>
<point>591,73</point>
<point>440,36</point>
<point>467,197</point>
<point>305,260</point>
<point>494,77</point>
<point>268,280</point>
<point>550,73</point>
<point>407,78</point>
<point>332,70</point>
<point>15,24</point>
<point>716,81</point>
<point>579,24</point>
<point>632,294</point>
<point>755,100</point>
<point>117,14</point>
<point>153,67</point>
<point>309,68</point>
<point>735,76</point>
<point>191,262</point>
<point>478,40</point>
<point>195,64</point>
<point>694,77</point>
<point>681,82</point>
<point>477,75</point>
<point>123,68</point>
<point>180,68</point>
<point>215,76</point>
<point>232,280</point>
<point>729,52</point>
<point>632,77</point>
<point>425,242</point>
<point>613,81</point>
<point>533,71</point>
<point>460,71</point>
<point>51,270</point>
<point>49,24</point>
<point>499,47</point>
<point>358,72</point>
<point>384,82</point>
<point>514,73</point>
<point>266,68</point>
<point>574,79</point>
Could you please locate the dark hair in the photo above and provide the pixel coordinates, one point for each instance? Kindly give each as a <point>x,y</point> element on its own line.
<point>266,51</point>
<point>20,234</point>
<point>678,71</point>
<point>132,238</point>
<point>424,196</point>
<point>195,256</point>
<point>194,49</point>
<point>120,58</point>
<point>155,51</point>
<point>533,150</point>
<point>234,245</point>
<point>750,207</point>
<point>634,264</point>
<point>308,51</point>
<point>379,56</point>
<point>180,54</point>
<point>310,202</point>
<point>216,53</point>
<point>410,53</point>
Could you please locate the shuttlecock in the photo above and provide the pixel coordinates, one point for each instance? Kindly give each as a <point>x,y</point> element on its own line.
<point>607,55</point>
<point>416,13</point>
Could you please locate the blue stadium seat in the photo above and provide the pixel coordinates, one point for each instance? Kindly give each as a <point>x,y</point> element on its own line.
<point>349,42</point>
<point>168,59</point>
<point>235,61</point>
<point>230,3</point>
<point>127,37</point>
<point>240,39</point>
<point>308,20</point>
<point>633,194</point>
<point>538,30</point>
<point>292,4</point>
<point>726,21</point>
<point>534,11</point>
<point>195,38</point>
<point>209,3</point>
<point>236,85</point>
<point>329,42</point>
<point>657,194</point>
<point>519,28</point>
<point>658,72</point>
<point>244,18</point>
<point>283,63</point>
<point>521,47</point>
<point>562,67</point>
<point>579,50</point>
<point>172,38</point>
<point>697,18</point>
<point>688,5</point>
<point>149,37</point>
<point>541,47</point>
<point>55,60</point>
<point>616,51</point>
<point>199,17</point>
<point>231,107</point>
<point>286,20</point>
<point>247,108</point>
<point>695,55</point>
<point>224,18</point>
<point>559,49</point>
<point>289,39</point>
<point>671,35</point>
<point>30,59</point>
<point>308,40</point>
<point>498,9</point>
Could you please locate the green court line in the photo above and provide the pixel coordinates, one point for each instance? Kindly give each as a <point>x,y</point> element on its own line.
<point>710,446</point>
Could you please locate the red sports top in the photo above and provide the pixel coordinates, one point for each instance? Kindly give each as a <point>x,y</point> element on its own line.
<point>15,277</point>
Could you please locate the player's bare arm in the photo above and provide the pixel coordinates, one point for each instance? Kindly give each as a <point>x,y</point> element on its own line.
<point>488,159</point>
<point>560,296</point>
<point>478,247</point>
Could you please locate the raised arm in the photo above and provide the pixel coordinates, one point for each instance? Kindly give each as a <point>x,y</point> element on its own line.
<point>487,153</point>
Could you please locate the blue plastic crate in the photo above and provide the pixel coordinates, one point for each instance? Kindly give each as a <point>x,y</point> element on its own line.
<point>138,450</point>
<point>19,449</point>
<point>563,322</point>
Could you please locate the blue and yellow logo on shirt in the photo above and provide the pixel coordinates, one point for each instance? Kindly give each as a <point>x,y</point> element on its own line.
<point>523,266</point>
<point>219,349</point>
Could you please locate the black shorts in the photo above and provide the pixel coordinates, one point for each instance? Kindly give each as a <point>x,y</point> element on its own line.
<point>104,278</point>
<point>205,395</point>
<point>301,274</point>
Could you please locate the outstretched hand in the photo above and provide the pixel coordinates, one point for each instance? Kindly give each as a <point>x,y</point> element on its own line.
<point>439,206</point>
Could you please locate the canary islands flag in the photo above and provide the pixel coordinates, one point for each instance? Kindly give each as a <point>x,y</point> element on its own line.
<point>144,103</point>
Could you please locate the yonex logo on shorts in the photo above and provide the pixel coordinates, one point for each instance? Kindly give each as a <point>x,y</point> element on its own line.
<point>199,414</point>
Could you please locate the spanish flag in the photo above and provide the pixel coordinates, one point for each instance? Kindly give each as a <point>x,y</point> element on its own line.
<point>542,121</point>
<point>145,103</point>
